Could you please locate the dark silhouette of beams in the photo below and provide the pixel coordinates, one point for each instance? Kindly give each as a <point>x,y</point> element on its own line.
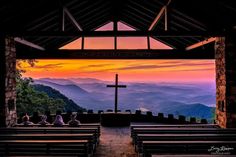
<point>115,54</point>
<point>117,33</point>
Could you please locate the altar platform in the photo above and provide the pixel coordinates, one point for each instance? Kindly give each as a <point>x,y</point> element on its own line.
<point>115,119</point>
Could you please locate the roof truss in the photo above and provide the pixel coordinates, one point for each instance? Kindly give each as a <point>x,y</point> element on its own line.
<point>162,12</point>
<point>201,43</point>
<point>28,43</point>
<point>73,20</point>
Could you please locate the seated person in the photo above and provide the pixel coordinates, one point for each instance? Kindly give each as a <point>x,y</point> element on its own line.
<point>25,121</point>
<point>35,118</point>
<point>49,117</point>
<point>43,120</point>
<point>73,121</point>
<point>58,121</point>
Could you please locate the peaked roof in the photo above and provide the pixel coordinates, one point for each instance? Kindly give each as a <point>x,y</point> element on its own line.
<point>183,16</point>
<point>122,42</point>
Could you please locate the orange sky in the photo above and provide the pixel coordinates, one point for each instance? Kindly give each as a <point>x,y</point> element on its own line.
<point>129,70</point>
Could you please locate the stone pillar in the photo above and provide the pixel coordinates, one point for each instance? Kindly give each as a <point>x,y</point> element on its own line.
<point>225,55</point>
<point>8,115</point>
<point>2,81</point>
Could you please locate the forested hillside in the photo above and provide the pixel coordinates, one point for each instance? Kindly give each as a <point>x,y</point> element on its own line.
<point>39,98</point>
<point>70,105</point>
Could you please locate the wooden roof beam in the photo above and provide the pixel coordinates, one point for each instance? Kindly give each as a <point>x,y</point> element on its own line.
<point>115,54</point>
<point>71,33</point>
<point>159,16</point>
<point>28,43</point>
<point>201,43</point>
<point>71,17</point>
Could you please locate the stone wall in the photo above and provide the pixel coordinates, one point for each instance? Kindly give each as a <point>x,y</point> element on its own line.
<point>8,110</point>
<point>230,48</point>
<point>225,53</point>
<point>220,81</point>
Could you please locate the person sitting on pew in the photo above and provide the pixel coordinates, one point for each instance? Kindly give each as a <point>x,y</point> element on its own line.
<point>26,121</point>
<point>58,121</point>
<point>43,121</point>
<point>73,122</point>
<point>35,118</point>
<point>49,116</point>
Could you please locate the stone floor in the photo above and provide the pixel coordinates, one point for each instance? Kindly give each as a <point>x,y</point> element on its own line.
<point>115,142</point>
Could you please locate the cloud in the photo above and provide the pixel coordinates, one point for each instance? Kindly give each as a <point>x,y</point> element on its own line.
<point>174,64</point>
<point>97,65</point>
<point>140,67</point>
<point>198,64</point>
<point>94,66</point>
<point>49,66</point>
<point>200,69</point>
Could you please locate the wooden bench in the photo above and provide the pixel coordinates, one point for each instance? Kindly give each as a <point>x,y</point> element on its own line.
<point>90,137</point>
<point>85,125</point>
<point>65,125</point>
<point>44,147</point>
<point>181,131</point>
<point>174,126</point>
<point>48,130</point>
<point>194,155</point>
<point>185,147</point>
<point>182,137</point>
<point>51,130</point>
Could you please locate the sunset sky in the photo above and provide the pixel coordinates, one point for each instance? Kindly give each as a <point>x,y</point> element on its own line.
<point>129,70</point>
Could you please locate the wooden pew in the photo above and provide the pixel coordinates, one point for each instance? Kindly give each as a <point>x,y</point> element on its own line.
<point>194,155</point>
<point>182,137</point>
<point>85,125</point>
<point>44,147</point>
<point>181,131</point>
<point>65,125</point>
<point>90,137</point>
<point>174,126</point>
<point>185,147</point>
<point>51,130</point>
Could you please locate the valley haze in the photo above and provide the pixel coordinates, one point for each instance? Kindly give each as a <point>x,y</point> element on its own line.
<point>192,99</point>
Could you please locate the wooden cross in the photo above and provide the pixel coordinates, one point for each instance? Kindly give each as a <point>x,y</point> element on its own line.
<point>116,86</point>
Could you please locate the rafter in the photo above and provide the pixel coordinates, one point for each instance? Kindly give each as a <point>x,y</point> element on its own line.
<point>115,54</point>
<point>159,16</point>
<point>71,33</point>
<point>28,43</point>
<point>71,17</point>
<point>201,43</point>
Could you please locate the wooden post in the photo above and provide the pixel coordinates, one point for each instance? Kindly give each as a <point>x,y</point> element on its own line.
<point>115,29</point>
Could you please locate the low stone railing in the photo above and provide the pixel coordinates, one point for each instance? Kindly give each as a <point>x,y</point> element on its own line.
<point>138,116</point>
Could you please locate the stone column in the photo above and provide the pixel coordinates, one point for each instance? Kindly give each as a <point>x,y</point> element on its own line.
<point>8,115</point>
<point>2,81</point>
<point>225,55</point>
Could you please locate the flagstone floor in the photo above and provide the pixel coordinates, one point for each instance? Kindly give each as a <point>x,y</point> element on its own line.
<point>115,142</point>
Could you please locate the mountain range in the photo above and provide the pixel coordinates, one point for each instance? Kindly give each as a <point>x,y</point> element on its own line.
<point>190,99</point>
<point>70,105</point>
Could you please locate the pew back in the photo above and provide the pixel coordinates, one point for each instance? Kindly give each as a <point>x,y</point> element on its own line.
<point>185,147</point>
<point>44,147</point>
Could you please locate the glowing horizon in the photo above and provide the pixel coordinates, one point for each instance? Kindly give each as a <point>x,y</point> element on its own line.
<point>129,70</point>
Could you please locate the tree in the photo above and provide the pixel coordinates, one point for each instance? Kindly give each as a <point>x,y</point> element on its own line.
<point>29,100</point>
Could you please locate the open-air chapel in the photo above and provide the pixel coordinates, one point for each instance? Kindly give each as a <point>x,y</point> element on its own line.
<point>185,29</point>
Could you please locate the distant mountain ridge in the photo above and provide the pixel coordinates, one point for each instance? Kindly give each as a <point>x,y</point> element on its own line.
<point>72,80</point>
<point>188,99</point>
<point>189,110</point>
<point>70,105</point>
